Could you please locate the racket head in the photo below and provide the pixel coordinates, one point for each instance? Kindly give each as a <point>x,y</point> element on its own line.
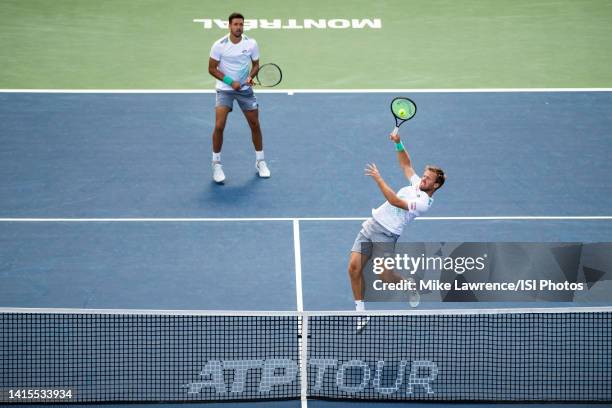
<point>403,109</point>
<point>269,75</point>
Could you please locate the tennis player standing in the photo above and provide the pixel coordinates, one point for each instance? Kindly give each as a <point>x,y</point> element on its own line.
<point>234,61</point>
<point>388,221</point>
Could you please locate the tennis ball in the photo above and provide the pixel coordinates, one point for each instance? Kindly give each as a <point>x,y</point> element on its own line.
<point>402,112</point>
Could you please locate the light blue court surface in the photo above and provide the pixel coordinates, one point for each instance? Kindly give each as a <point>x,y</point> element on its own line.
<point>134,155</point>
<point>106,156</point>
<point>107,200</point>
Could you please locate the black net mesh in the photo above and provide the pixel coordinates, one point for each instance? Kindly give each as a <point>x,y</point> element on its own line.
<point>110,357</point>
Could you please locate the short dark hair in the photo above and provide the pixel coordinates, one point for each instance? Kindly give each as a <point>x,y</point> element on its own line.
<point>440,176</point>
<point>233,16</point>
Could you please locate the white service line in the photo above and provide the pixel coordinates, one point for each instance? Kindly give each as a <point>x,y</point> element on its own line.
<point>306,219</point>
<point>147,219</point>
<point>520,218</point>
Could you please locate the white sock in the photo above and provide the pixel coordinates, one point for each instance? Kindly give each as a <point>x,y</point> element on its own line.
<point>359,305</point>
<point>216,157</point>
<point>259,155</point>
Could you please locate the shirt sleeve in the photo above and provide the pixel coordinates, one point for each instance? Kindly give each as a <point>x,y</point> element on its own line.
<point>415,180</point>
<point>215,52</point>
<point>255,51</point>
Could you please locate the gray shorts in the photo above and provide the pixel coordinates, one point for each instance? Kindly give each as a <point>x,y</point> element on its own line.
<point>246,99</point>
<point>373,237</point>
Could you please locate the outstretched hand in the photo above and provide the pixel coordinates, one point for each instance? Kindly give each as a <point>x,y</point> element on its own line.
<point>372,171</point>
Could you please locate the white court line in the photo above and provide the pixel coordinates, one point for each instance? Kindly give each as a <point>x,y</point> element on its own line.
<point>304,91</point>
<point>292,219</point>
<point>298,265</point>
<point>303,323</point>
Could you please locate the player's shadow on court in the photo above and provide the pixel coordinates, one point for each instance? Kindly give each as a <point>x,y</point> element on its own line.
<point>232,192</point>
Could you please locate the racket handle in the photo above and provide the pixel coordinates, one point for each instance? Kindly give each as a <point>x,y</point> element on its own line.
<point>394,133</point>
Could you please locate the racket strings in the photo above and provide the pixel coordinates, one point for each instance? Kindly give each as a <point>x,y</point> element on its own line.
<point>403,109</point>
<point>269,75</point>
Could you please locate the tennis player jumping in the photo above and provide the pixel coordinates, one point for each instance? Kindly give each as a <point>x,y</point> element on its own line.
<point>388,221</point>
<point>234,61</point>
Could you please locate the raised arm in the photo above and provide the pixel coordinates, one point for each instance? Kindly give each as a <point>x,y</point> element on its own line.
<point>389,194</point>
<point>402,156</point>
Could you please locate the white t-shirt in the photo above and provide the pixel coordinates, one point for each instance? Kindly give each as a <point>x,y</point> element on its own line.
<point>395,219</point>
<point>234,59</point>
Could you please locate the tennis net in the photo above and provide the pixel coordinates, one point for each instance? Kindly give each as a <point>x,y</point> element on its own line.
<point>459,355</point>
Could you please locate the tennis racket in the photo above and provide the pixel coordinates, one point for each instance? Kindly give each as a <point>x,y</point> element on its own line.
<point>403,109</point>
<point>269,75</point>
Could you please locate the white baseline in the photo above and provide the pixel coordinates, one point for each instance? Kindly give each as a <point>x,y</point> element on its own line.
<point>305,91</point>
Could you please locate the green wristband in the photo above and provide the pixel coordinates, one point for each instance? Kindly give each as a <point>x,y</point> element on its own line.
<point>228,80</point>
<point>399,147</point>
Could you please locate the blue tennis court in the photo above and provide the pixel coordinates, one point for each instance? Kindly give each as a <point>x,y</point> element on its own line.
<point>127,275</point>
<point>108,203</point>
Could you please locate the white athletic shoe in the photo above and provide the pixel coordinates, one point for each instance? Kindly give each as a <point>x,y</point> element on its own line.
<point>362,322</point>
<point>262,169</point>
<point>218,175</point>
